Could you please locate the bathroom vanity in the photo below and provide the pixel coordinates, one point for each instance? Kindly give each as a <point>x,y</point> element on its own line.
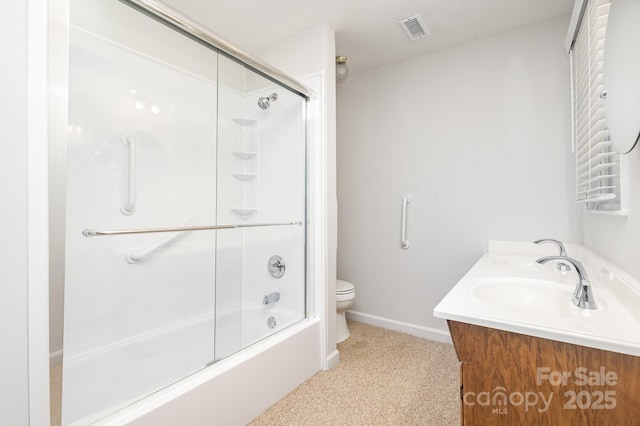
<point>529,355</point>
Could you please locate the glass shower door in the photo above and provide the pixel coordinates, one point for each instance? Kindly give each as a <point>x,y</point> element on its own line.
<point>141,155</point>
<point>260,274</point>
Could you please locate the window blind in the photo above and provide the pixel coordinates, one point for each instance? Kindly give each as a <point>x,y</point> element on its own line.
<point>597,165</point>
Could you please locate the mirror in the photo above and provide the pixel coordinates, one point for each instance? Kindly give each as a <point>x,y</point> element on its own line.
<point>622,74</point>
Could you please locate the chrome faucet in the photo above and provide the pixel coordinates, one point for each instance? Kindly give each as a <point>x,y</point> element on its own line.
<point>582,296</point>
<point>560,265</point>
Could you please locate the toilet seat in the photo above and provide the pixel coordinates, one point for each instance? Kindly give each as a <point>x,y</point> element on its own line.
<point>345,291</point>
<point>344,287</point>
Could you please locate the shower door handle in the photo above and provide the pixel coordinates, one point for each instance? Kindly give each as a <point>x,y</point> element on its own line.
<point>130,199</point>
<point>108,232</point>
<point>404,243</point>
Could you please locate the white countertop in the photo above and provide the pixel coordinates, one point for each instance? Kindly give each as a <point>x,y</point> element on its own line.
<point>507,290</point>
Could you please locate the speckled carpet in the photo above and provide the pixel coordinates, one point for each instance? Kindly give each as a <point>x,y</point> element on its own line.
<point>383,378</point>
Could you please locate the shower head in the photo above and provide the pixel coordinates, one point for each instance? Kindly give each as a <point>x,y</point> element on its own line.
<point>265,102</point>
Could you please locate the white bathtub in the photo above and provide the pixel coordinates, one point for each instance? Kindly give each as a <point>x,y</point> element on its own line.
<point>241,328</point>
<point>236,389</point>
<point>276,361</point>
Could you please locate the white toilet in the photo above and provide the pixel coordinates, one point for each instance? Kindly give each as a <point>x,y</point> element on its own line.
<point>345,296</point>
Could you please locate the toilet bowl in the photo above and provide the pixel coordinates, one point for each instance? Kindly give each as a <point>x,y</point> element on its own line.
<point>345,296</point>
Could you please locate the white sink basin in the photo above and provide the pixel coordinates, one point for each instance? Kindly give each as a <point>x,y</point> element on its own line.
<point>521,294</point>
<point>510,291</point>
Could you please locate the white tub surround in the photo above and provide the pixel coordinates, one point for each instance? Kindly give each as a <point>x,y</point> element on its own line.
<point>507,290</point>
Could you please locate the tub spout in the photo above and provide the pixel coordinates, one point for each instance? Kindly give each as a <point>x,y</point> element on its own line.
<point>271,298</point>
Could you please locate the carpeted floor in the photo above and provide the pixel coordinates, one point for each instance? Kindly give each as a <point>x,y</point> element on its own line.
<point>383,378</point>
<point>55,390</point>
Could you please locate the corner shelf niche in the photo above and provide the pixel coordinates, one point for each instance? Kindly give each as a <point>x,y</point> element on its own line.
<point>244,176</point>
<point>244,213</point>
<point>244,122</point>
<point>245,155</point>
<point>248,170</point>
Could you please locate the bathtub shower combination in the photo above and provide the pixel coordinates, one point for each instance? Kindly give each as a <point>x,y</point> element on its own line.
<point>186,207</point>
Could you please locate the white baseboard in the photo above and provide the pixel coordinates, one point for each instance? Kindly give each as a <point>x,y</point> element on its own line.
<point>403,327</point>
<point>333,359</point>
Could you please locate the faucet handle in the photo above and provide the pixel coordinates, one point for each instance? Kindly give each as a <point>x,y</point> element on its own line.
<point>560,265</point>
<point>557,243</point>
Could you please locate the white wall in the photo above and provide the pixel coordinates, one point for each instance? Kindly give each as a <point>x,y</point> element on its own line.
<point>305,54</point>
<point>24,396</point>
<point>479,136</point>
<point>617,237</point>
<point>14,389</point>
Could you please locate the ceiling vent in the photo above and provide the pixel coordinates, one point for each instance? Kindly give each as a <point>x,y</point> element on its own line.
<point>414,27</point>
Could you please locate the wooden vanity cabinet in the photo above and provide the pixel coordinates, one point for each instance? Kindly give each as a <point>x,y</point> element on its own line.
<point>514,379</point>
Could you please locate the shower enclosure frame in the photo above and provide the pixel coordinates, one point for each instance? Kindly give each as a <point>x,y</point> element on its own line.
<point>195,31</point>
<point>320,218</point>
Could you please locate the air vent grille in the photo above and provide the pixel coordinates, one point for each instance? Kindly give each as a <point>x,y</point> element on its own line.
<point>414,27</point>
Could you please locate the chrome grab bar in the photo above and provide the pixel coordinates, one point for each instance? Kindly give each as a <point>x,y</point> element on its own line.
<point>404,243</point>
<point>101,233</point>
<point>130,199</point>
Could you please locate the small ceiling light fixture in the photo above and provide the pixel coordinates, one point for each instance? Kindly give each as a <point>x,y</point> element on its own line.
<point>342,70</point>
<point>414,27</point>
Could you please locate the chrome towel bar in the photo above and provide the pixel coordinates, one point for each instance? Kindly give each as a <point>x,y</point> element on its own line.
<point>101,233</point>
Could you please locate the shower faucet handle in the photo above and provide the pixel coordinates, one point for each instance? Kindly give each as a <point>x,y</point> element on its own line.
<point>276,266</point>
